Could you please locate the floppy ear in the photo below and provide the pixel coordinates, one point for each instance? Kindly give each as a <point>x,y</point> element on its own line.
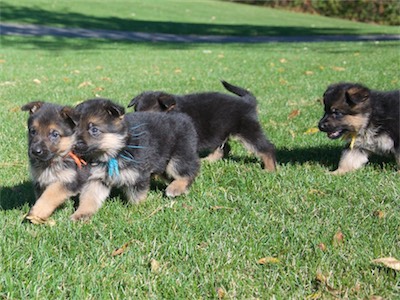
<point>32,107</point>
<point>167,102</point>
<point>70,115</point>
<point>114,110</point>
<point>356,94</point>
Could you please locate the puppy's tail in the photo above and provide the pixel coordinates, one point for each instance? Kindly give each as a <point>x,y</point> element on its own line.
<point>241,92</point>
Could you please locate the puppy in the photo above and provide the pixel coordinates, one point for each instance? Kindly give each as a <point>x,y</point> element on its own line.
<point>56,172</point>
<point>368,119</point>
<point>124,150</point>
<point>216,117</point>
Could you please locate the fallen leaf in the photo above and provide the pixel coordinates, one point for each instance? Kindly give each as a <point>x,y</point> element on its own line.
<point>311,130</point>
<point>154,265</point>
<point>339,69</point>
<point>15,109</point>
<point>37,81</point>
<point>85,83</point>
<point>97,89</point>
<point>389,262</point>
<point>283,81</point>
<point>7,83</point>
<point>221,293</point>
<point>178,71</point>
<point>338,238</point>
<point>294,114</point>
<point>379,214</point>
<point>309,72</point>
<point>315,296</point>
<point>2,61</point>
<point>188,207</point>
<point>121,250</point>
<point>374,297</point>
<point>283,60</point>
<point>268,260</point>
<point>322,247</point>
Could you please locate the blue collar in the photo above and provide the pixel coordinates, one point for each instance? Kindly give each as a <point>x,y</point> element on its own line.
<point>113,168</point>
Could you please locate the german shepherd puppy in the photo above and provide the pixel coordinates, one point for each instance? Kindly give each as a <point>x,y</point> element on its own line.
<point>216,117</point>
<point>124,150</point>
<point>368,119</point>
<point>56,172</point>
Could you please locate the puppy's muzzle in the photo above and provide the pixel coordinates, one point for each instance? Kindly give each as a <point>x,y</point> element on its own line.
<point>40,152</point>
<point>81,147</point>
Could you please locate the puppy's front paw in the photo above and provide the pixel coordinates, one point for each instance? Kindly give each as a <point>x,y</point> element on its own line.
<point>81,216</point>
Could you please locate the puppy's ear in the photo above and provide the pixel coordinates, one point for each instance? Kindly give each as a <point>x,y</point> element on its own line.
<point>32,107</point>
<point>356,95</point>
<point>166,101</point>
<point>134,101</point>
<point>70,115</point>
<point>114,110</point>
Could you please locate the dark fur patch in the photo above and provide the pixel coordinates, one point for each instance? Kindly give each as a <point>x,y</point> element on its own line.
<point>55,174</point>
<point>370,119</point>
<point>216,117</point>
<point>125,150</point>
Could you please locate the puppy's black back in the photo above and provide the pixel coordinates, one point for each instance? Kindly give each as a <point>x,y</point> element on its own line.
<point>386,113</point>
<point>156,138</point>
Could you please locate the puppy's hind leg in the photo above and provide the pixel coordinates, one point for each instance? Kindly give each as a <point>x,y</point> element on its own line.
<point>183,172</point>
<point>255,141</point>
<point>219,153</point>
<point>93,194</point>
<point>351,159</point>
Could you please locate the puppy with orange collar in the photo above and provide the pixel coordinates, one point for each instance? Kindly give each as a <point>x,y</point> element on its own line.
<point>57,173</point>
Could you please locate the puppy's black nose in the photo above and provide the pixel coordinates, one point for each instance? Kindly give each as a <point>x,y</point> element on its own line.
<point>321,126</point>
<point>37,150</point>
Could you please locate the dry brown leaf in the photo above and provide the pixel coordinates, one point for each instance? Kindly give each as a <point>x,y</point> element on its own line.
<point>15,109</point>
<point>339,69</point>
<point>221,293</point>
<point>374,297</point>
<point>283,60</point>
<point>338,238</point>
<point>389,262</point>
<point>121,250</point>
<point>294,113</point>
<point>311,130</point>
<point>308,72</point>
<point>379,214</point>
<point>37,81</point>
<point>154,265</point>
<point>268,260</point>
<point>85,83</point>
<point>322,247</point>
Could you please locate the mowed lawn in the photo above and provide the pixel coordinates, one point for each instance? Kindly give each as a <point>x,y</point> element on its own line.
<point>241,233</point>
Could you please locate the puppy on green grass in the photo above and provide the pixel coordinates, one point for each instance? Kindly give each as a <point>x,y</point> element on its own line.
<point>124,150</point>
<point>57,173</point>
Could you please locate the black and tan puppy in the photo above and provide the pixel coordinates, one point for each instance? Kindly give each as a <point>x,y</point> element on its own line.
<point>368,119</point>
<point>124,150</point>
<point>216,117</point>
<point>56,172</point>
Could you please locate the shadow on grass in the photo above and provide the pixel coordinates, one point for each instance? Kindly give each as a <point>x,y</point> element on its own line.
<point>16,196</point>
<point>38,16</point>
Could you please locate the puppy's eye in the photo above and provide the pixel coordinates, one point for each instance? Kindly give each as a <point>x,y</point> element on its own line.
<point>93,130</point>
<point>32,131</point>
<point>337,114</point>
<point>54,135</point>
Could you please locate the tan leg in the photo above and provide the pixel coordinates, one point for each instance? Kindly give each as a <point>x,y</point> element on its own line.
<point>93,194</point>
<point>351,160</point>
<point>177,187</point>
<point>269,162</point>
<point>52,197</point>
<point>216,155</point>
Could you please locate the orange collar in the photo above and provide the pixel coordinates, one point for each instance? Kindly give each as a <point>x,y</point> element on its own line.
<point>79,162</point>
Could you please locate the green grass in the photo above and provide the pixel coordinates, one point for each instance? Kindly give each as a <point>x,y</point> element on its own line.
<point>180,17</point>
<point>235,213</point>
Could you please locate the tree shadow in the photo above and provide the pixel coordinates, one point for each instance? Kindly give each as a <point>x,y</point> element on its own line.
<point>39,16</point>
